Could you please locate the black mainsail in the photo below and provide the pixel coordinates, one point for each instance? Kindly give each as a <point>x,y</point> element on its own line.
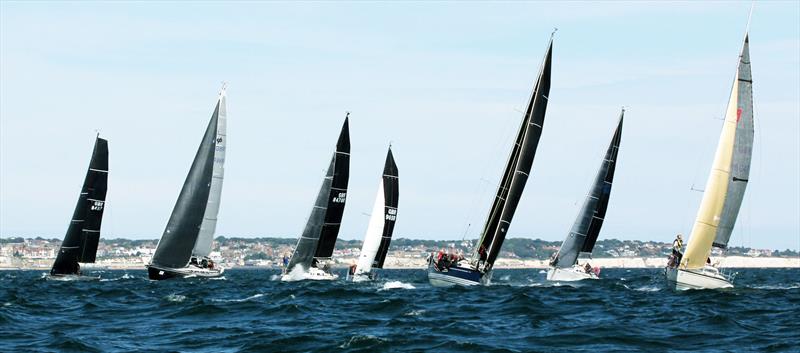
<point>83,233</point>
<point>586,229</point>
<point>174,250</point>
<point>516,172</point>
<point>322,228</point>
<point>391,195</point>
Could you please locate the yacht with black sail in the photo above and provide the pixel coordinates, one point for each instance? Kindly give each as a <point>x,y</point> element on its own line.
<point>724,191</point>
<point>564,264</point>
<point>83,233</point>
<point>381,224</point>
<point>312,255</point>
<point>443,271</point>
<point>185,247</point>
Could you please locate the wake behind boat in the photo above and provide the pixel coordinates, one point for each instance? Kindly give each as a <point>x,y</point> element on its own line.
<point>185,247</point>
<point>724,190</point>
<point>312,255</point>
<point>583,235</point>
<point>453,270</point>
<point>83,233</point>
<point>381,225</point>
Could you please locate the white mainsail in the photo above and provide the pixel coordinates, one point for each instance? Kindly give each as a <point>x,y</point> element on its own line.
<point>728,178</point>
<point>202,247</point>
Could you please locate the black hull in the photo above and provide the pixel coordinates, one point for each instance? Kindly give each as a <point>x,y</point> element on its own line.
<point>158,274</point>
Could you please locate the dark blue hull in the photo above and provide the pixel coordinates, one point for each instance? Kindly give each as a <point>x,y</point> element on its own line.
<point>456,275</point>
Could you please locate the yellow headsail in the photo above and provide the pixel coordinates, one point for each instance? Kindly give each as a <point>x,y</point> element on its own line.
<point>708,216</point>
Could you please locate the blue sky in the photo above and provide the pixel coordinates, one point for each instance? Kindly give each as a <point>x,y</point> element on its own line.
<point>444,81</point>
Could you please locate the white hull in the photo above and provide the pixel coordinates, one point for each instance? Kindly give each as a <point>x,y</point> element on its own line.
<point>314,274</point>
<point>707,277</point>
<point>574,273</point>
<point>159,273</point>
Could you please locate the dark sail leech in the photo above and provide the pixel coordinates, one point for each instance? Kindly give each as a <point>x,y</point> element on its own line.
<point>586,229</point>
<point>83,233</point>
<point>391,194</point>
<point>517,170</point>
<point>174,250</point>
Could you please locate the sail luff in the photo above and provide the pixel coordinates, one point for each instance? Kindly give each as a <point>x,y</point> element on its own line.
<point>83,233</point>
<point>522,162</point>
<point>742,150</point>
<point>174,250</point>
<point>202,247</point>
<point>586,229</point>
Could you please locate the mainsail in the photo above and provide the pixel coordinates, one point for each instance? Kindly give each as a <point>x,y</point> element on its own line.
<point>175,248</point>
<point>202,247</point>
<point>517,170</point>
<point>83,233</point>
<point>322,228</point>
<point>382,220</point>
<point>729,173</point>
<point>586,229</point>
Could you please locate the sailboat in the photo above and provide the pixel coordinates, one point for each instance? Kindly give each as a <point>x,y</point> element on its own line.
<point>583,235</point>
<point>724,190</point>
<point>446,270</point>
<point>185,247</point>
<point>381,224</point>
<point>83,233</point>
<point>312,255</point>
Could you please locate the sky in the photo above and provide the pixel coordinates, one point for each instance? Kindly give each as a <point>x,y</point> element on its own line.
<point>444,82</point>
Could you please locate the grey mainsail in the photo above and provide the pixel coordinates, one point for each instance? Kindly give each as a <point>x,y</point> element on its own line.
<point>517,170</point>
<point>742,150</point>
<point>202,247</point>
<point>174,250</point>
<point>586,229</point>
<point>83,233</point>
<point>326,215</point>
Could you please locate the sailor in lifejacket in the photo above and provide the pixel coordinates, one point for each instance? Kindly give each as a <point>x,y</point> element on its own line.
<point>677,249</point>
<point>352,270</point>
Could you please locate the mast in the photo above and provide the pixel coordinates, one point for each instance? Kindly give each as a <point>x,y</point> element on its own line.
<point>729,173</point>
<point>83,233</point>
<point>382,220</point>
<point>202,247</point>
<point>174,250</point>
<point>330,199</point>
<point>586,229</point>
<point>517,169</point>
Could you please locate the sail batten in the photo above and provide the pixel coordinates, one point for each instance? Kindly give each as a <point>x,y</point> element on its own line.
<point>586,229</point>
<point>83,234</point>
<point>726,183</point>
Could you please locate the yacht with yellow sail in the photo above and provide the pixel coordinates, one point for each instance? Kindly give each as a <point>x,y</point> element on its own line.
<point>724,190</point>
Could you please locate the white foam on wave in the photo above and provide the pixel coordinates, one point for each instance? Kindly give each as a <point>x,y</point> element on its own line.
<point>175,298</point>
<point>785,287</point>
<point>255,296</point>
<point>298,273</point>
<point>415,312</point>
<point>220,278</point>
<point>397,285</point>
<point>542,271</point>
<point>124,276</point>
<point>360,338</point>
<point>650,288</point>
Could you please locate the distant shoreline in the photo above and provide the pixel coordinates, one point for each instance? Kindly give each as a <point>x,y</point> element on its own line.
<point>502,263</point>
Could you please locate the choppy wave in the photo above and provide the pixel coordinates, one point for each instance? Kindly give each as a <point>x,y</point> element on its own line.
<point>253,311</point>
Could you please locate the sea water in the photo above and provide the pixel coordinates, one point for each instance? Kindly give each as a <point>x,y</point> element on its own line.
<point>252,311</point>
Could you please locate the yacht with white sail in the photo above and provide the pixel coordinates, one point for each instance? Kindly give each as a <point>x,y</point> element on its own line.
<point>185,247</point>
<point>724,191</point>
<point>312,255</point>
<point>381,224</point>
<point>448,269</point>
<point>564,264</point>
<point>83,234</point>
